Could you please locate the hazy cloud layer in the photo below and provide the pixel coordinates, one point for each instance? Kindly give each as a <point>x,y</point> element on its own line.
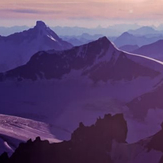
<point>83,9</point>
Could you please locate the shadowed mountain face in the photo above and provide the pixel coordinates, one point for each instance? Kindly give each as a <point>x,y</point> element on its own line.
<point>87,144</point>
<point>16,49</point>
<point>98,60</point>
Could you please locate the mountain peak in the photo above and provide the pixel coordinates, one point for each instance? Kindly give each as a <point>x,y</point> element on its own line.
<point>104,40</point>
<point>41,25</point>
<point>42,29</point>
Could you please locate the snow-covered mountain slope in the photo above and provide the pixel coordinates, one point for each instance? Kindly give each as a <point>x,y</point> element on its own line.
<point>16,49</point>
<point>14,130</point>
<point>8,144</point>
<point>153,50</point>
<point>66,87</point>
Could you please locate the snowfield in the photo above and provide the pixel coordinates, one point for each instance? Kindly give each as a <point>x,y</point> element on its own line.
<point>14,130</point>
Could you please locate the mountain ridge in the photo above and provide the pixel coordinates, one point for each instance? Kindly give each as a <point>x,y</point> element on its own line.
<point>99,60</point>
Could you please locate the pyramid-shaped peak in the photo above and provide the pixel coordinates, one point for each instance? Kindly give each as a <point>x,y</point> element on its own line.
<point>104,39</point>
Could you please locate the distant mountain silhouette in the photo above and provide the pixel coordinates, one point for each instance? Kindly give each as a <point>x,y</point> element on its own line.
<point>153,50</point>
<point>145,30</point>
<point>129,39</point>
<point>5,31</point>
<point>129,48</point>
<point>81,39</point>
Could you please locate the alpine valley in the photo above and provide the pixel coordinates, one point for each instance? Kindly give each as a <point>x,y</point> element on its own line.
<point>61,86</point>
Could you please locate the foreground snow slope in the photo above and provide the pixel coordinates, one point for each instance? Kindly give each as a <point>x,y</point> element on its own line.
<point>14,130</point>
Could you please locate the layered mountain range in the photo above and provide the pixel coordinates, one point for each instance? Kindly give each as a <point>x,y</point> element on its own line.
<point>56,89</point>
<point>98,60</point>
<point>16,49</point>
<point>127,38</point>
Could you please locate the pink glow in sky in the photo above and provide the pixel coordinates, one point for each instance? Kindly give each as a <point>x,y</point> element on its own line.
<point>81,11</point>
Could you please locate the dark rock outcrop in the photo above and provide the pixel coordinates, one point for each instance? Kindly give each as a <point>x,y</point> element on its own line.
<point>87,144</point>
<point>17,49</point>
<point>4,158</point>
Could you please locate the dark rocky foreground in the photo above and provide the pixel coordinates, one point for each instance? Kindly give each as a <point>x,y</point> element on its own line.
<point>92,144</point>
<point>87,144</point>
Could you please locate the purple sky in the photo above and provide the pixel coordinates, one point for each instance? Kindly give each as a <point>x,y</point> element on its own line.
<point>81,12</point>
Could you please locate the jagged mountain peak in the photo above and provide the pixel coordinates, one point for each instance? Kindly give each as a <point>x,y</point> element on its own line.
<point>41,24</point>
<point>104,40</point>
<point>42,29</point>
<point>97,139</point>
